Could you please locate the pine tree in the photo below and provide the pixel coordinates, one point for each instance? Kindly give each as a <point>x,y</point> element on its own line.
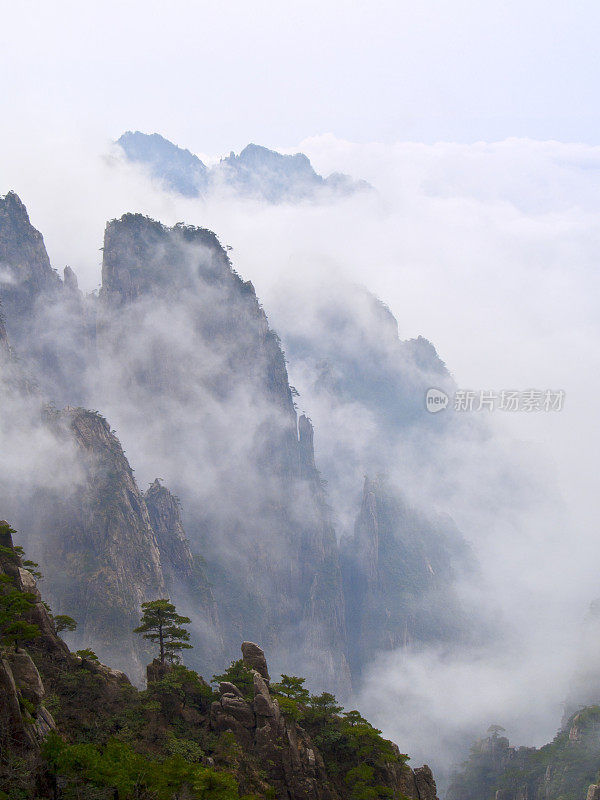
<point>292,687</point>
<point>14,605</point>
<point>161,623</point>
<point>63,622</point>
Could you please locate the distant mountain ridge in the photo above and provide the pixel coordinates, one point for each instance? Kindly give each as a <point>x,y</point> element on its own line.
<point>256,172</point>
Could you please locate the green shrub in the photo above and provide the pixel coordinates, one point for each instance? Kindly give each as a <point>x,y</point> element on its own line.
<point>238,674</point>
<point>213,785</point>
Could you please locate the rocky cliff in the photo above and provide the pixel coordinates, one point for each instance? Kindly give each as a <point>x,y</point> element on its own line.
<point>178,354</point>
<point>101,552</point>
<point>47,320</point>
<point>24,720</point>
<point>568,767</point>
<point>184,343</point>
<point>399,572</point>
<point>179,737</point>
<point>366,388</point>
<point>184,574</point>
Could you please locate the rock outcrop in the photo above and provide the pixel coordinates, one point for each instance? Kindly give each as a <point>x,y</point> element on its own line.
<point>250,742</point>
<point>295,767</point>
<point>254,658</point>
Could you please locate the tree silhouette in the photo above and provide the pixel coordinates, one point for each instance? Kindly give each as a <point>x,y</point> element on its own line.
<point>63,622</point>
<point>161,623</point>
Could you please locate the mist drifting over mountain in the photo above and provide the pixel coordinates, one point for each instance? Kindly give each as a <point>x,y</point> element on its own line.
<point>214,368</point>
<point>363,388</point>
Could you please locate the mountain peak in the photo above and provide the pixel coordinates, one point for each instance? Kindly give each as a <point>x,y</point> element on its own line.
<point>21,245</point>
<point>25,271</point>
<point>257,171</point>
<point>178,169</point>
<point>142,255</point>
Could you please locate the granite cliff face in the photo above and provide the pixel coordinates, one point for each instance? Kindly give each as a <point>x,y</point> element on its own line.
<point>256,172</point>
<point>401,558</point>
<point>47,321</point>
<point>184,572</point>
<point>101,551</point>
<point>399,573</point>
<point>183,339</point>
<point>26,270</point>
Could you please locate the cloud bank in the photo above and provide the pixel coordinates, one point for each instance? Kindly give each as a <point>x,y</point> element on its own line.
<point>487,250</point>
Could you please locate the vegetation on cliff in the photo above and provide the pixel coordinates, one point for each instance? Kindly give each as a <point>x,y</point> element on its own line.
<point>565,769</point>
<point>71,727</point>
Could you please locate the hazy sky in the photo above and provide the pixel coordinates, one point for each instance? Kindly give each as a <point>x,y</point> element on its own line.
<point>213,76</point>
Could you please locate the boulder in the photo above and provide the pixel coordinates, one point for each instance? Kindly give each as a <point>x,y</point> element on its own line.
<point>229,688</point>
<point>239,709</point>
<point>254,657</point>
<point>264,704</point>
<point>264,708</point>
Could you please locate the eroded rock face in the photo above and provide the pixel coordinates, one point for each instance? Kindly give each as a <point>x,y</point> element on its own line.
<point>26,676</point>
<point>185,577</point>
<point>23,254</point>
<point>100,541</point>
<point>228,688</point>
<point>294,765</point>
<point>106,548</point>
<point>24,726</point>
<point>14,727</point>
<point>424,783</point>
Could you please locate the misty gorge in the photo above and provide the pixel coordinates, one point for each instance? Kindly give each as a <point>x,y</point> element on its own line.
<point>278,480</point>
